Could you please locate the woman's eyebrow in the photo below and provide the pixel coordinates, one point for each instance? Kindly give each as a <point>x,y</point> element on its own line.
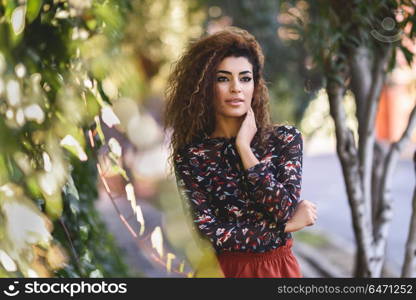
<point>227,72</point>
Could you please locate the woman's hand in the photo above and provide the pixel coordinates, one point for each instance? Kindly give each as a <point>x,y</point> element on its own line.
<point>247,130</point>
<point>305,215</point>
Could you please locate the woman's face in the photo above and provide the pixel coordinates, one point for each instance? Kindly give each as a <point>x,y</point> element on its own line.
<point>233,87</point>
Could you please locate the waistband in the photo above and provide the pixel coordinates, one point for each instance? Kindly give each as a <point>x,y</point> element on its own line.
<point>282,251</point>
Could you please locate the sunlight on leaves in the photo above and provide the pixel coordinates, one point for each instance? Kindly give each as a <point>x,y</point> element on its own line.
<point>130,195</point>
<point>48,183</point>
<point>7,190</point>
<point>72,145</point>
<point>110,88</point>
<point>7,262</point>
<point>24,225</point>
<point>32,274</point>
<point>169,258</point>
<point>13,93</point>
<point>140,219</point>
<point>115,147</point>
<point>62,14</point>
<point>47,165</point>
<point>20,117</point>
<point>182,266</point>
<point>2,64</point>
<point>18,19</point>
<point>109,117</point>
<point>96,274</point>
<point>1,83</point>
<point>34,112</point>
<point>20,70</point>
<point>157,240</point>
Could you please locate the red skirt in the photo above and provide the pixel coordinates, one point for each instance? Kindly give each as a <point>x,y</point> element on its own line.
<point>277,263</point>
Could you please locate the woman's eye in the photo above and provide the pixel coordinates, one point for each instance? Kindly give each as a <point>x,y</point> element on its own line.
<point>222,78</point>
<point>246,79</point>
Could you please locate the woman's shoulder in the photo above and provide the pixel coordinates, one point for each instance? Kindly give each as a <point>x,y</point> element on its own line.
<point>282,135</point>
<point>192,152</point>
<point>285,132</point>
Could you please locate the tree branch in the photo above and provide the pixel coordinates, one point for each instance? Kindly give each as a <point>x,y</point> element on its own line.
<point>389,164</point>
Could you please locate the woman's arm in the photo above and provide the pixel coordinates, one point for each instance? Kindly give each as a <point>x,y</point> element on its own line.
<point>304,215</point>
<point>275,181</point>
<point>223,235</point>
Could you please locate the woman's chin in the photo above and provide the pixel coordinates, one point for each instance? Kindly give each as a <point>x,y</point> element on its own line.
<point>235,114</point>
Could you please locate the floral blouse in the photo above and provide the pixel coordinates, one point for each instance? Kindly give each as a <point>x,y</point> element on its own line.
<point>236,209</point>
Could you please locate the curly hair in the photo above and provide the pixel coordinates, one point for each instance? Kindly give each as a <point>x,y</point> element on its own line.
<point>189,109</point>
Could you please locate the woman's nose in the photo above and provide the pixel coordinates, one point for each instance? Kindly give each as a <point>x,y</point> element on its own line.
<point>235,86</point>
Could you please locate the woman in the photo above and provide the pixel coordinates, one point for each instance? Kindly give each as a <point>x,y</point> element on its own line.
<point>239,175</point>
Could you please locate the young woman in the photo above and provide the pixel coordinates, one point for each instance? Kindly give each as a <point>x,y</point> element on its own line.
<point>239,175</point>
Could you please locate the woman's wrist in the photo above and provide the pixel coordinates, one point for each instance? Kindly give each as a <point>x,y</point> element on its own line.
<point>242,147</point>
<point>292,226</point>
<point>247,156</point>
<point>289,226</point>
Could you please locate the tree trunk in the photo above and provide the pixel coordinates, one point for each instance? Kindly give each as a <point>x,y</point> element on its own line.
<point>382,224</point>
<point>408,269</point>
<point>348,155</point>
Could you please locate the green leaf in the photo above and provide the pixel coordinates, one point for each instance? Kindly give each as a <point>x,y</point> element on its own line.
<point>392,62</point>
<point>14,171</point>
<point>71,195</point>
<point>33,186</point>
<point>413,24</point>
<point>10,6</point>
<point>93,107</point>
<point>83,232</point>
<point>54,206</point>
<point>407,54</point>
<point>33,8</point>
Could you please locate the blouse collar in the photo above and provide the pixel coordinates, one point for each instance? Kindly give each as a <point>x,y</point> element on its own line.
<point>215,140</point>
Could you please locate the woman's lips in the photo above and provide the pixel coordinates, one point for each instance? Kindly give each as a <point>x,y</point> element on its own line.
<point>234,102</point>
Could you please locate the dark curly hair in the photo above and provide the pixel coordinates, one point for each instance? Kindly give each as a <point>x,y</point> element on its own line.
<point>189,109</point>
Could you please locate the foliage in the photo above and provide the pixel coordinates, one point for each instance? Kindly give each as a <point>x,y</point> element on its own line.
<point>333,29</point>
<point>52,89</point>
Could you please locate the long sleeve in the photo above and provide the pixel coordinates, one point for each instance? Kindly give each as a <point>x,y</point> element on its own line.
<point>275,181</point>
<point>225,236</point>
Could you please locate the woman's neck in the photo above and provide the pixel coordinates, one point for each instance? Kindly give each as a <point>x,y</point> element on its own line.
<point>227,128</point>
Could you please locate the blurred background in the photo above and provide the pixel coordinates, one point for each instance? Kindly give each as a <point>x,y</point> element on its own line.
<point>85,185</point>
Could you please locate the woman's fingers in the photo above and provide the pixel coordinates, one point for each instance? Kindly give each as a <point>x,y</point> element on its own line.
<point>312,211</point>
